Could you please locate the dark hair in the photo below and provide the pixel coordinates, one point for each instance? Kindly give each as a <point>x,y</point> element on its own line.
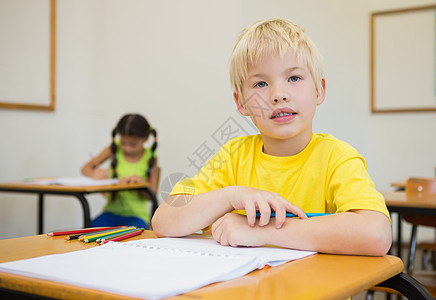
<point>137,126</point>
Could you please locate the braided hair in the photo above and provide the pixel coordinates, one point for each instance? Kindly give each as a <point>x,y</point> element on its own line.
<point>137,126</point>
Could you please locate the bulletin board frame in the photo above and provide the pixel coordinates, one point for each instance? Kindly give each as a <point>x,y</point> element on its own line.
<point>49,103</point>
<point>403,63</point>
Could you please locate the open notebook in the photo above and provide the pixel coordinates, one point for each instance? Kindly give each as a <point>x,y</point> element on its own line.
<point>151,268</point>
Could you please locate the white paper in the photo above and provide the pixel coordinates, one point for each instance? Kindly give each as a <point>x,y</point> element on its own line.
<point>72,181</point>
<point>151,268</point>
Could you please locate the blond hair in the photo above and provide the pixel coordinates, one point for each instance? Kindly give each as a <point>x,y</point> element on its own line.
<point>269,37</point>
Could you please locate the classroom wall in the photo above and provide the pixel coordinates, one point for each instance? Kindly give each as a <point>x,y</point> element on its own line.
<point>168,60</point>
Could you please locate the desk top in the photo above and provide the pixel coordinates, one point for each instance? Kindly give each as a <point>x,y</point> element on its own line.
<point>29,187</point>
<point>319,276</point>
<point>412,200</point>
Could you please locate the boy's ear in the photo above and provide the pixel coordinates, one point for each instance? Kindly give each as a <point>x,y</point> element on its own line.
<point>239,105</point>
<point>321,93</point>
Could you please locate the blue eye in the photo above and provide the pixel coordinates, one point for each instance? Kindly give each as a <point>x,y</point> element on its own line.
<point>294,79</point>
<point>260,84</point>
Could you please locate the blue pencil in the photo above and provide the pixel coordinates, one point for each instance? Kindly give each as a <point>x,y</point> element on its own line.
<point>290,215</point>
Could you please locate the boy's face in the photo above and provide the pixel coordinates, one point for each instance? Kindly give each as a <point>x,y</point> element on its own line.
<point>280,96</point>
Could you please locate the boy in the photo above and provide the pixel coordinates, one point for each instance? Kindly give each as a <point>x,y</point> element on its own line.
<point>277,77</point>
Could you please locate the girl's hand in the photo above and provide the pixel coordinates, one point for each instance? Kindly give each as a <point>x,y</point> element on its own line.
<point>100,174</point>
<point>232,230</point>
<point>132,179</point>
<point>252,200</point>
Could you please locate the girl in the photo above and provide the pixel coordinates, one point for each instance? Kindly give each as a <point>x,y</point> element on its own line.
<point>131,163</point>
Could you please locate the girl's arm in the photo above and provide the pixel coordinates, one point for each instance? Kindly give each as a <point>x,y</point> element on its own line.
<point>359,232</point>
<point>91,168</point>
<point>181,215</point>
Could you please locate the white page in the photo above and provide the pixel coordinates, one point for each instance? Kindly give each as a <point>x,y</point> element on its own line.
<point>72,181</point>
<point>149,268</point>
<point>272,256</point>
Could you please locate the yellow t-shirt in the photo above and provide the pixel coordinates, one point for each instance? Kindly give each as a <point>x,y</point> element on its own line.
<point>328,176</point>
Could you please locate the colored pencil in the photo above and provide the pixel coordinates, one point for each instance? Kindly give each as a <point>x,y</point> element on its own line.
<point>81,236</point>
<point>91,234</point>
<point>290,215</point>
<point>92,238</point>
<point>105,234</point>
<point>108,237</point>
<point>125,236</point>
<point>85,230</point>
<point>73,237</point>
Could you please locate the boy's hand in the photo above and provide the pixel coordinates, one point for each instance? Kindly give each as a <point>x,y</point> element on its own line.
<point>252,200</point>
<point>232,230</point>
<point>131,179</point>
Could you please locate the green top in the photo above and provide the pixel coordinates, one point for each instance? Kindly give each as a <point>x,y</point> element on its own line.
<point>130,203</point>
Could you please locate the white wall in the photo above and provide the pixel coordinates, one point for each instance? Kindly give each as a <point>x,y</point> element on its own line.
<point>168,60</point>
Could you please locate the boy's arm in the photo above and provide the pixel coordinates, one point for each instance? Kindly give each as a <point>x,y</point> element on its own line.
<point>359,232</point>
<point>181,215</point>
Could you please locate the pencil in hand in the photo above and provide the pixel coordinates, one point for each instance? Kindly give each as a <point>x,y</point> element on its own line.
<point>291,215</point>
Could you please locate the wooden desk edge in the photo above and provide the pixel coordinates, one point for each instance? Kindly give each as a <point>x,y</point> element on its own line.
<point>29,187</point>
<point>51,289</point>
<point>45,288</point>
<point>392,266</point>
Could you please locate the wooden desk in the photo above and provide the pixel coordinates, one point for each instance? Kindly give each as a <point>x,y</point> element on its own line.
<point>403,203</point>
<point>412,203</point>
<point>77,191</point>
<point>318,276</point>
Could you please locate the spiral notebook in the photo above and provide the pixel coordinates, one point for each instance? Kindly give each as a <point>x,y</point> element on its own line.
<point>151,268</point>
